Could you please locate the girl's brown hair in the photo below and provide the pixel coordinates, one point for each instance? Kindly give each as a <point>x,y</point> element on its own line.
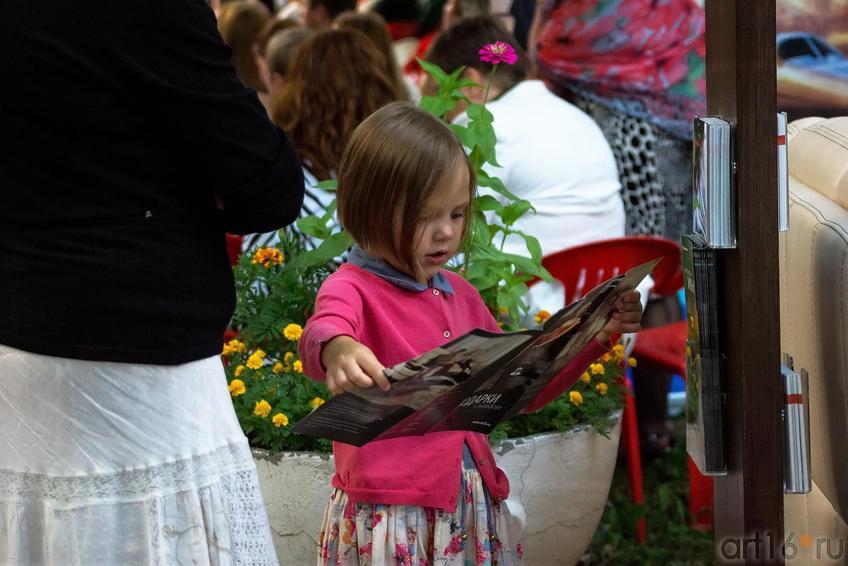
<point>240,24</point>
<point>374,27</point>
<point>396,161</point>
<point>335,81</point>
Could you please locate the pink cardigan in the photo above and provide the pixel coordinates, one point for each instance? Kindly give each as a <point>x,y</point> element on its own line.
<point>398,324</point>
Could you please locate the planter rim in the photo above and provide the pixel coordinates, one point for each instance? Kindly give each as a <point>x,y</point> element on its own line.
<point>510,443</point>
<point>273,457</point>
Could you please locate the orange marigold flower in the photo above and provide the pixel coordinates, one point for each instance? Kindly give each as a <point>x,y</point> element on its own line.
<point>266,257</point>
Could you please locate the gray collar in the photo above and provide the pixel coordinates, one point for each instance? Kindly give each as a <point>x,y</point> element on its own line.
<point>380,267</point>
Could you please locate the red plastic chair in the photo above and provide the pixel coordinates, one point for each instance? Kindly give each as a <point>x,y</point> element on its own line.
<point>234,247</point>
<point>580,269</point>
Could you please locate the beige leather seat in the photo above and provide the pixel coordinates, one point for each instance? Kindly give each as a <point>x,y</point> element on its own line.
<point>814,329</point>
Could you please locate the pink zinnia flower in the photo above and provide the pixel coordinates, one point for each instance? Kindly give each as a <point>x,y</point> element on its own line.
<point>498,52</point>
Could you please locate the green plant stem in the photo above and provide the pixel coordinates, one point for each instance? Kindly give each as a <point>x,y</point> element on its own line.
<point>489,83</point>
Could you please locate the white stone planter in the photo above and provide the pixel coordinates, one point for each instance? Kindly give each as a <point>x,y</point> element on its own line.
<point>561,479</point>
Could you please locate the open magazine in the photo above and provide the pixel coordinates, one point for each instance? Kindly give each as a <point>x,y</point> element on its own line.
<point>473,382</point>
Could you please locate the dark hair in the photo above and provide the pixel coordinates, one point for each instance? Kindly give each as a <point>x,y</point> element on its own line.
<point>395,162</point>
<point>397,10</point>
<point>335,81</point>
<point>459,45</point>
<point>374,27</point>
<point>282,46</point>
<point>334,7</point>
<point>240,24</point>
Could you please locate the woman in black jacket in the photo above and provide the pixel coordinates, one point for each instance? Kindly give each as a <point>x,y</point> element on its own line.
<point>128,148</point>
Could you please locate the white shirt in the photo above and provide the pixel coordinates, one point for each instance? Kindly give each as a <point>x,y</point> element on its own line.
<point>555,156</point>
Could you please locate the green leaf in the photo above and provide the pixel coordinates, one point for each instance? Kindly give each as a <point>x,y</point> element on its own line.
<point>328,185</point>
<point>433,70</point>
<point>481,133</point>
<point>488,202</point>
<point>313,226</point>
<point>437,105</point>
<point>494,183</point>
<point>330,212</point>
<point>514,211</point>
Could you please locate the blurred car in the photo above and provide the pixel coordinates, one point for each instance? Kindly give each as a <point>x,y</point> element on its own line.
<point>812,76</point>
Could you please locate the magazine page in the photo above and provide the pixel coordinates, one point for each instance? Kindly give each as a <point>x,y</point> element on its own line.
<point>506,392</point>
<point>424,390</point>
<point>581,322</point>
<point>473,382</point>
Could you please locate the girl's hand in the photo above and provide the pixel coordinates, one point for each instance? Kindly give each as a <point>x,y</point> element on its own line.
<point>350,366</point>
<point>626,317</point>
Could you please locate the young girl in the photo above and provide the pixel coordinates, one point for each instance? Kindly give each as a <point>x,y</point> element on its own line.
<point>404,192</point>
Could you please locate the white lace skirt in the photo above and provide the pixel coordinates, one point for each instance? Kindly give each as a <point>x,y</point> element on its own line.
<point>110,463</point>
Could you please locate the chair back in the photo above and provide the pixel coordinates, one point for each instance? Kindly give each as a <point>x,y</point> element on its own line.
<point>814,315</point>
<point>583,267</point>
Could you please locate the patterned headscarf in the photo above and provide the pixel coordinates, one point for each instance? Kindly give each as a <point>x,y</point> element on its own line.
<point>641,57</point>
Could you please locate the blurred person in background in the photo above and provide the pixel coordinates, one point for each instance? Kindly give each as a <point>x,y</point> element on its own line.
<point>336,80</point>
<point>279,54</point>
<point>272,28</point>
<point>241,23</point>
<point>637,67</point>
<point>551,153</point>
<point>319,14</point>
<point>374,27</point>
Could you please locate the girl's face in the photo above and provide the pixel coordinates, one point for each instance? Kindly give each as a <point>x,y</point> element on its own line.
<point>440,228</point>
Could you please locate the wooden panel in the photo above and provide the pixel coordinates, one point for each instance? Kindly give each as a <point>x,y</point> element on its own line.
<point>741,88</point>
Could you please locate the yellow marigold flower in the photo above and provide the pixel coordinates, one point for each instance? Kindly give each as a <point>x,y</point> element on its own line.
<point>239,370</point>
<point>596,368</point>
<point>575,397</point>
<point>280,419</point>
<point>278,368</point>
<point>256,359</point>
<point>292,332</point>
<point>288,357</point>
<point>262,408</point>
<point>236,387</point>
<point>585,378</point>
<point>233,346</point>
<point>631,362</point>
<point>267,257</point>
<point>602,388</point>
<point>606,357</point>
<point>618,351</point>
<point>298,366</point>
<point>316,402</point>
<point>542,316</point>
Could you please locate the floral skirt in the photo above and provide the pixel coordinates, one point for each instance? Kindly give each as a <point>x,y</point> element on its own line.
<point>113,463</point>
<point>476,533</point>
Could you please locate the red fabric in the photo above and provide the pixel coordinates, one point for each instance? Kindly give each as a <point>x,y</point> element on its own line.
<point>234,247</point>
<point>413,68</point>
<point>400,30</point>
<point>397,325</point>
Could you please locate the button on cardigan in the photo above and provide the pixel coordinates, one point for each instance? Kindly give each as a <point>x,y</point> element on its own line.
<point>398,324</point>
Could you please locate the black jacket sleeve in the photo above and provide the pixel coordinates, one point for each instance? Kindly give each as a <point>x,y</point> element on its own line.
<point>186,70</point>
